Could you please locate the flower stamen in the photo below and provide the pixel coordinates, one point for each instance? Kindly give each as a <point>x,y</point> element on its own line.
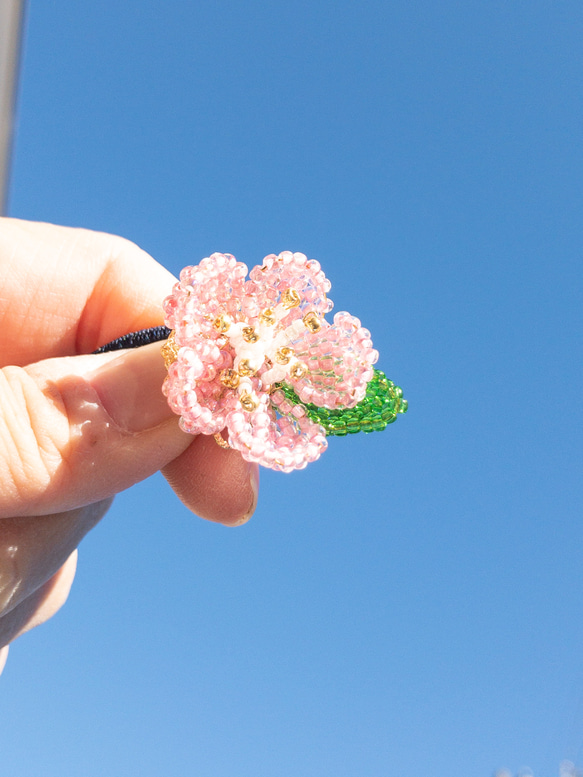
<point>298,370</point>
<point>249,334</point>
<point>283,355</point>
<point>268,317</point>
<point>229,378</point>
<point>221,324</point>
<point>245,369</point>
<point>312,322</point>
<point>290,299</point>
<point>247,402</point>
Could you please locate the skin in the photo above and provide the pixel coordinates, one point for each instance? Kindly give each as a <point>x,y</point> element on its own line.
<point>77,428</point>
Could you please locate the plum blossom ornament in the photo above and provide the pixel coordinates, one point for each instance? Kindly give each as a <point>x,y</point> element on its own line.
<point>254,360</point>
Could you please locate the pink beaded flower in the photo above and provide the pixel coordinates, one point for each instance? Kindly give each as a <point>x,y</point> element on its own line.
<point>239,344</point>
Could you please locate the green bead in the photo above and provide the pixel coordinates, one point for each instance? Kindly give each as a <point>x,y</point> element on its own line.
<point>380,406</point>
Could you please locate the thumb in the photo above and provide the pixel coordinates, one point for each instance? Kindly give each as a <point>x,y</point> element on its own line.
<point>78,429</point>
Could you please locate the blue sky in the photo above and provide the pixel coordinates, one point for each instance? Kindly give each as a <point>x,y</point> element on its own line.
<point>412,603</point>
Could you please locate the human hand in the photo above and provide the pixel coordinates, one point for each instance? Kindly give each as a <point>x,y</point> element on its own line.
<point>76,428</point>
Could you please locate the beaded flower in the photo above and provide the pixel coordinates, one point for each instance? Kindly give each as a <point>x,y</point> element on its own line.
<point>256,359</point>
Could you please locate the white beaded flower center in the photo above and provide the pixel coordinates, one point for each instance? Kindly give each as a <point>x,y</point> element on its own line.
<point>267,343</point>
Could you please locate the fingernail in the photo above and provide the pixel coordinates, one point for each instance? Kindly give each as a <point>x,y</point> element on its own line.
<point>130,388</point>
<point>254,483</point>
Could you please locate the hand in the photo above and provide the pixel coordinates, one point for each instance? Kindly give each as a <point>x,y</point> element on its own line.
<point>76,428</point>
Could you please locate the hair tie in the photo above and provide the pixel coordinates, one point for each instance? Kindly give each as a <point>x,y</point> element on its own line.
<point>255,359</point>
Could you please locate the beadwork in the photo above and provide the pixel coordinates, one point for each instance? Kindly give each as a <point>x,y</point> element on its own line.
<point>257,358</point>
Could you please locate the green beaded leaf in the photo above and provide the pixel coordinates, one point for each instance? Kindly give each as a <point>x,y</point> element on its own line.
<point>382,403</point>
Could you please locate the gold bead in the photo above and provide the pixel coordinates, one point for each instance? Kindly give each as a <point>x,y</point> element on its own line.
<point>312,322</point>
<point>220,440</point>
<point>268,317</point>
<point>229,378</point>
<point>247,402</point>
<point>290,299</point>
<point>299,370</point>
<point>249,334</point>
<point>245,369</point>
<point>170,350</point>
<point>283,355</point>
<point>221,324</point>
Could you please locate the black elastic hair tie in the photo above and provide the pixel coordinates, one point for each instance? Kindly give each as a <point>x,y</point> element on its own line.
<point>136,339</point>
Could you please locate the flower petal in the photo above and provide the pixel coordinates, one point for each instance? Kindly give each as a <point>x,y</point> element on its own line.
<point>205,291</point>
<point>285,443</point>
<point>287,271</point>
<point>195,391</point>
<point>339,358</point>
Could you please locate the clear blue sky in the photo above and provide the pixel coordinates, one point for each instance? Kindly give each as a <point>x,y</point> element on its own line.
<point>412,604</point>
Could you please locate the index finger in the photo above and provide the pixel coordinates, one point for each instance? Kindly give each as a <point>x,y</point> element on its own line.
<point>66,291</point>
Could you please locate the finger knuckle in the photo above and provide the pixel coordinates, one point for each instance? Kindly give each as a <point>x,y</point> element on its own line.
<point>33,436</point>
